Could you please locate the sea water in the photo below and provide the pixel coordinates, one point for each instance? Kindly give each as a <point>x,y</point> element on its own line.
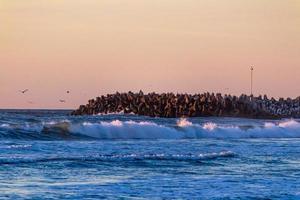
<point>46,154</point>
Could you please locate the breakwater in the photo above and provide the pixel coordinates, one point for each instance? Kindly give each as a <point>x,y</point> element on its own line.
<point>172,105</point>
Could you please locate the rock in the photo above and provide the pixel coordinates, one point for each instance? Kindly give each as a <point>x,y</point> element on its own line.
<point>186,105</point>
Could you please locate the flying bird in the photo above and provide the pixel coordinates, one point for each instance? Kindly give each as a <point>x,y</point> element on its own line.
<point>62,101</point>
<point>68,92</point>
<point>23,91</point>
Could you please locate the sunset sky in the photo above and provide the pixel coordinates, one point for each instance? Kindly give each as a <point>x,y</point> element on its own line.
<point>94,47</point>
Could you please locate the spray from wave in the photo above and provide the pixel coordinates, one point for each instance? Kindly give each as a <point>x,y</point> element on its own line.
<point>117,129</point>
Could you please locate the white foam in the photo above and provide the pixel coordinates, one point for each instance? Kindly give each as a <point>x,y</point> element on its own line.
<point>184,130</point>
<point>5,125</point>
<point>125,130</point>
<point>163,156</point>
<point>113,123</point>
<point>184,123</point>
<point>115,113</point>
<point>210,126</point>
<point>216,155</point>
<point>19,146</point>
<point>289,124</point>
<point>55,122</point>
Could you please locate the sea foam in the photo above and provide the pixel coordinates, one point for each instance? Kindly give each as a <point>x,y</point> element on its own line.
<point>184,130</point>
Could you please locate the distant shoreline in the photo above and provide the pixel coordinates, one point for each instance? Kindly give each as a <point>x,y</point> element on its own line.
<point>52,109</point>
<point>35,111</point>
<point>170,105</point>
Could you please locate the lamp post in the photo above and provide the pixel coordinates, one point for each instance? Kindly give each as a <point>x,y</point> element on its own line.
<point>251,80</point>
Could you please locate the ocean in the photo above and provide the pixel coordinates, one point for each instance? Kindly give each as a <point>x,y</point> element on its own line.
<point>48,154</point>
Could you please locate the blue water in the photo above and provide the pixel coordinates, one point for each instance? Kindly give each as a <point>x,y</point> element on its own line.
<point>51,155</point>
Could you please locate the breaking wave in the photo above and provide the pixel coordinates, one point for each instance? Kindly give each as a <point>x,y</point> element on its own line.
<point>117,129</point>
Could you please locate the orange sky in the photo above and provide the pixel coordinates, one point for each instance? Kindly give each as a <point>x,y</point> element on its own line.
<point>94,47</point>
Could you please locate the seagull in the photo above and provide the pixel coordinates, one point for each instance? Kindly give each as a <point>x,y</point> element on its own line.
<point>23,91</point>
<point>62,101</point>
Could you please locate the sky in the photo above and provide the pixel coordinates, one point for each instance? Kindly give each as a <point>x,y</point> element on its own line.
<point>95,47</point>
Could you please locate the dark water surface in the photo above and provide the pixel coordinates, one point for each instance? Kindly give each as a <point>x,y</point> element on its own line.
<point>51,155</point>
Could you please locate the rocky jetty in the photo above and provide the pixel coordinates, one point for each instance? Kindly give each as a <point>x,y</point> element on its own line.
<point>172,105</point>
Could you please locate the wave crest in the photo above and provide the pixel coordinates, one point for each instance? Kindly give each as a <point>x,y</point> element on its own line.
<point>184,130</point>
<point>117,129</point>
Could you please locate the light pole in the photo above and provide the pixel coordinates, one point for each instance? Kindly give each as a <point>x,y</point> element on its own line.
<point>251,80</point>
